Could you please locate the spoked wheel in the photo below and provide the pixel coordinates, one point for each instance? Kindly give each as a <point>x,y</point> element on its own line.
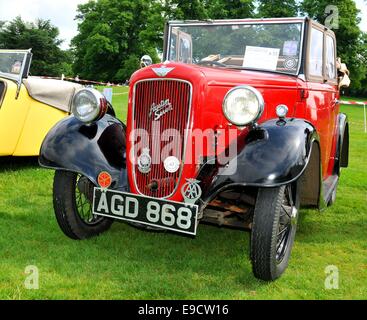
<point>84,200</point>
<point>273,230</point>
<point>73,196</point>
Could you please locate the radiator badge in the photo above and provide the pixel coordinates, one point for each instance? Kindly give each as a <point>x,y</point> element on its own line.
<point>191,191</point>
<point>104,180</point>
<point>144,161</point>
<point>171,164</point>
<point>162,71</point>
<point>158,110</point>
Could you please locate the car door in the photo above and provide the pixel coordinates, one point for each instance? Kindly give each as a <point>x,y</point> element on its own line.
<point>331,84</point>
<point>322,100</point>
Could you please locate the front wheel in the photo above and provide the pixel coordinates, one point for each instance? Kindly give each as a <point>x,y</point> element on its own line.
<point>273,230</point>
<point>72,197</point>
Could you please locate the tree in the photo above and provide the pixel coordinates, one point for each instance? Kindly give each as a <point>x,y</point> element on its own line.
<point>42,37</point>
<point>185,10</point>
<point>230,9</point>
<point>277,8</point>
<point>207,9</point>
<point>113,35</point>
<point>361,89</point>
<point>351,42</point>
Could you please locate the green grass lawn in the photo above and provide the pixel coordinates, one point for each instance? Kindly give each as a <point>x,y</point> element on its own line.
<point>126,263</point>
<point>353,99</point>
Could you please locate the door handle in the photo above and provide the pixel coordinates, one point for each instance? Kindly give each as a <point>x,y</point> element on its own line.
<point>335,103</point>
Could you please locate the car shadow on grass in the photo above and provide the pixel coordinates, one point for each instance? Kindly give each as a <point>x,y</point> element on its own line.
<point>163,265</point>
<point>215,253</point>
<point>333,225</point>
<point>17,163</point>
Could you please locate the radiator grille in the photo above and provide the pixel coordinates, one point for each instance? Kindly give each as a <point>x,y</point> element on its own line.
<point>175,97</point>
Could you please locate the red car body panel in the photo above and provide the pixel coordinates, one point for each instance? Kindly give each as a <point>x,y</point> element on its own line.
<point>313,102</point>
<point>321,109</point>
<point>313,118</point>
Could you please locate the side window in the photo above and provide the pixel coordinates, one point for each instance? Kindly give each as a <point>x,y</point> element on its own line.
<point>315,62</point>
<point>330,58</point>
<point>185,51</point>
<point>173,48</point>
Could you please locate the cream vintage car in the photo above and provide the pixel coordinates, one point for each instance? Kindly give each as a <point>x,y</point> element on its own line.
<point>29,106</point>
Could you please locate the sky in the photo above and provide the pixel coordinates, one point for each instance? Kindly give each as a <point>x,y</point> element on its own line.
<point>62,14</point>
<point>361,5</point>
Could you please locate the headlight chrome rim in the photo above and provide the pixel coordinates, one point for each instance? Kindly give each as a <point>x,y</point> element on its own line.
<point>260,100</point>
<point>97,113</point>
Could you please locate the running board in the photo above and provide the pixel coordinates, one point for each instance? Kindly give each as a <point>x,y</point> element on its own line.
<point>328,187</point>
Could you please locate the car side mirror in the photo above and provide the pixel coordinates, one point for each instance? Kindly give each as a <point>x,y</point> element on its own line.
<point>145,61</point>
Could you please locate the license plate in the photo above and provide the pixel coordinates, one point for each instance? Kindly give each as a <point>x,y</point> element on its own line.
<point>165,214</point>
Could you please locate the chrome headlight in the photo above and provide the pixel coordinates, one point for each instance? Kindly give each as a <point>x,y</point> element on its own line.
<point>243,105</point>
<point>89,105</point>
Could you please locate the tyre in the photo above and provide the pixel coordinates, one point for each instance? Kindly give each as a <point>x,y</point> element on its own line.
<point>273,230</point>
<point>72,198</point>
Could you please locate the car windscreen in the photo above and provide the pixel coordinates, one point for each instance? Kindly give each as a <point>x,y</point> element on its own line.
<point>11,64</point>
<point>262,46</point>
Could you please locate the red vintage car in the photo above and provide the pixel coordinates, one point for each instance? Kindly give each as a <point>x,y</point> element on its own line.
<point>239,127</point>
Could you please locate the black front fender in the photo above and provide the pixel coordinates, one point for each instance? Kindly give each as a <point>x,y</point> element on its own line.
<point>273,154</point>
<point>87,149</point>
